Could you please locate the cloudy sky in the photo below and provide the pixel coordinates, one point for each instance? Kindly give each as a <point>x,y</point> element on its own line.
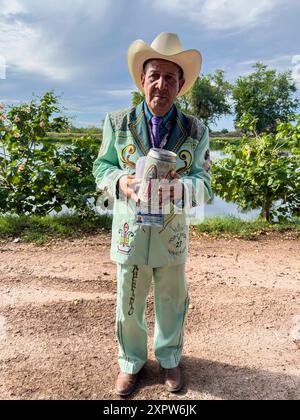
<point>78,47</point>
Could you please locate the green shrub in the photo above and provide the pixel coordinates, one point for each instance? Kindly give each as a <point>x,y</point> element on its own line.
<point>37,177</point>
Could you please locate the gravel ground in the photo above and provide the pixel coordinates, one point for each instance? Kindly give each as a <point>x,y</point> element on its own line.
<point>242,341</point>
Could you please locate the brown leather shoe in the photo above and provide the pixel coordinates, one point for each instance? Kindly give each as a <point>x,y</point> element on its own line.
<point>173,379</point>
<point>126,383</point>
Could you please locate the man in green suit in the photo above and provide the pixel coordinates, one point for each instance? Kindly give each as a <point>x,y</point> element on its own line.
<point>163,71</point>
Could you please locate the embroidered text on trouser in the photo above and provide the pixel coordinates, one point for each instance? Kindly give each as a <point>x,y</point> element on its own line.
<point>171,304</point>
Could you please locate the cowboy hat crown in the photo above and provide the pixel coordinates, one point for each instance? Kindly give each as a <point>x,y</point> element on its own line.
<point>166,46</point>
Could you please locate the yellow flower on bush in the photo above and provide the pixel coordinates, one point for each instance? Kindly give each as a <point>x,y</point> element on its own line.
<point>17,119</point>
<point>22,168</point>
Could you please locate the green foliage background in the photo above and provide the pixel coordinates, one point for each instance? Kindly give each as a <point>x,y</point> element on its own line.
<point>37,177</point>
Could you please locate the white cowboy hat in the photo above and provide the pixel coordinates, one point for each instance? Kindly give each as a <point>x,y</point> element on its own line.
<point>166,46</point>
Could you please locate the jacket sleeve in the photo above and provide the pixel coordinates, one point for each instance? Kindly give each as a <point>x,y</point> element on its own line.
<point>197,185</point>
<point>106,169</point>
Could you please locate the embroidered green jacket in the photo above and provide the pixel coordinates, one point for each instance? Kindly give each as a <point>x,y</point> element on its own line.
<point>125,139</point>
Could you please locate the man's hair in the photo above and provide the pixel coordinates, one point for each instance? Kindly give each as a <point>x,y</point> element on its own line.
<point>150,59</point>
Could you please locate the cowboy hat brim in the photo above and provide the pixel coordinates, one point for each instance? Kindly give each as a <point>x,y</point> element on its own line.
<point>139,51</point>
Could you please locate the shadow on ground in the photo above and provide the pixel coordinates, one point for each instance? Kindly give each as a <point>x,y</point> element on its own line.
<point>206,379</point>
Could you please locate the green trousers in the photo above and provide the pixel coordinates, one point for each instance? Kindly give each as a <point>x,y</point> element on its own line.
<point>171,305</point>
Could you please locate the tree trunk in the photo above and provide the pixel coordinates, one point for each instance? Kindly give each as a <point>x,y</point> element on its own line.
<point>267,207</point>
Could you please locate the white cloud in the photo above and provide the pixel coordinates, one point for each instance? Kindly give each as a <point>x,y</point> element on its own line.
<point>38,46</point>
<point>276,62</point>
<point>219,15</point>
<point>296,59</point>
<point>69,10</point>
<point>296,69</point>
<point>119,93</point>
<point>10,101</point>
<point>2,67</point>
<point>11,7</point>
<point>23,49</point>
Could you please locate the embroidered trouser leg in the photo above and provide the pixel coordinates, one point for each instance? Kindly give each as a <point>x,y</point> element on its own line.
<point>171,303</point>
<point>133,288</point>
<point>171,306</point>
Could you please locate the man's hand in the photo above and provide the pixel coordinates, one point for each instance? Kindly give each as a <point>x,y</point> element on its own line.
<point>127,185</point>
<point>171,191</point>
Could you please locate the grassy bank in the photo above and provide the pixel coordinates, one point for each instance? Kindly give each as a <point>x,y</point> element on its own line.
<point>218,143</point>
<point>67,137</point>
<point>226,227</point>
<point>42,229</point>
<point>215,143</point>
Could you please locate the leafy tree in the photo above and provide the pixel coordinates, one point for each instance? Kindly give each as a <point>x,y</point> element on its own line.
<point>266,95</point>
<point>73,171</point>
<point>59,124</point>
<point>37,177</point>
<point>137,98</point>
<point>208,99</point>
<point>263,171</point>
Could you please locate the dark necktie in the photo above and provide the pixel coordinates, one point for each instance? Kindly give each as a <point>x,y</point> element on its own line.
<point>156,122</point>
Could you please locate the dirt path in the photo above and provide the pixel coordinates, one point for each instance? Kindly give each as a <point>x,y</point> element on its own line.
<point>57,310</point>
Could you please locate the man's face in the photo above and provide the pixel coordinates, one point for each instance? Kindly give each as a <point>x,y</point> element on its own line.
<point>161,83</point>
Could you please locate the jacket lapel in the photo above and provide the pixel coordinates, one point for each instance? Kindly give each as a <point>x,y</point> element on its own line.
<point>139,129</point>
<point>179,131</point>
